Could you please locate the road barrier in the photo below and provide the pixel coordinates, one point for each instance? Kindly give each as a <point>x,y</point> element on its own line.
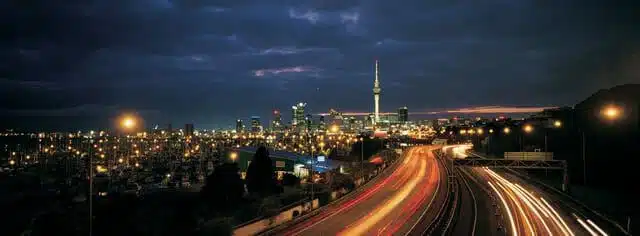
<point>274,228</point>
<point>436,223</point>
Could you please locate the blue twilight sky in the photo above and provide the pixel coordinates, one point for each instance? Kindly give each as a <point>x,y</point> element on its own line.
<point>74,64</point>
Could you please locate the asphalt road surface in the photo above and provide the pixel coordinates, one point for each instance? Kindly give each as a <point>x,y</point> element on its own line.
<point>526,210</point>
<point>397,203</point>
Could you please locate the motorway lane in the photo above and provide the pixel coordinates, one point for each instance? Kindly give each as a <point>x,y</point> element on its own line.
<point>527,211</point>
<point>477,213</point>
<point>390,206</point>
<point>588,223</point>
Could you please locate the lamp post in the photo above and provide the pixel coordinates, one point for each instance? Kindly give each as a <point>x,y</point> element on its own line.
<point>362,155</point>
<point>90,187</point>
<point>611,113</point>
<point>527,129</point>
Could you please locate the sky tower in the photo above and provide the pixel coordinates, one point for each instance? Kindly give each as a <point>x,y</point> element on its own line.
<point>376,94</point>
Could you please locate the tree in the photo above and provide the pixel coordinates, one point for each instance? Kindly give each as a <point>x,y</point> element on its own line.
<point>223,188</point>
<point>260,177</point>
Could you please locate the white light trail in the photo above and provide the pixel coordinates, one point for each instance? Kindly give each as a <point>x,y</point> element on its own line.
<point>506,207</point>
<point>584,225</point>
<point>557,215</point>
<point>597,228</point>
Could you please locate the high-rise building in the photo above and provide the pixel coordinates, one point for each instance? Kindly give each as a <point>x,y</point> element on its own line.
<point>276,123</point>
<point>297,116</point>
<point>188,130</point>
<point>321,124</point>
<point>255,124</point>
<point>403,114</point>
<point>308,121</point>
<point>239,126</point>
<point>376,93</point>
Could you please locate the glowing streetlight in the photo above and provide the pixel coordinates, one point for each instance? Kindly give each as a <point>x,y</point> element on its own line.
<point>528,128</point>
<point>128,122</point>
<point>557,124</point>
<point>506,130</point>
<point>491,131</point>
<point>480,131</point>
<point>334,128</point>
<point>611,112</point>
<point>12,162</point>
<point>233,156</point>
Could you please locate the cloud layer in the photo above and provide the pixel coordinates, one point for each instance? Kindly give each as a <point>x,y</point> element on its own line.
<point>186,59</point>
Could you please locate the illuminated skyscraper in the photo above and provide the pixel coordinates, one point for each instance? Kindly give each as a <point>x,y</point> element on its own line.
<point>376,94</point>
<point>256,126</point>
<point>276,123</point>
<point>297,116</point>
<point>239,126</point>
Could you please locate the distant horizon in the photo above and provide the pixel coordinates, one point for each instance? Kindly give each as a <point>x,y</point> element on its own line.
<point>482,111</point>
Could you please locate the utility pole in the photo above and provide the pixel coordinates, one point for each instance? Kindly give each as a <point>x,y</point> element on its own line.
<point>584,159</point>
<point>90,187</point>
<point>362,156</point>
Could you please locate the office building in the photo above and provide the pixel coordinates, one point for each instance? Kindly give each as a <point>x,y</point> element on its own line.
<point>188,130</point>
<point>297,116</point>
<point>276,123</point>
<point>403,115</point>
<point>256,126</point>
<point>239,126</point>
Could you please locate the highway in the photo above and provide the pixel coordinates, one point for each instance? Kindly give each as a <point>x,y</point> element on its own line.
<point>400,202</point>
<point>518,207</point>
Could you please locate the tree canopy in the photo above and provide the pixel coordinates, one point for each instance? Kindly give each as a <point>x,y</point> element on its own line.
<point>223,188</point>
<point>260,176</point>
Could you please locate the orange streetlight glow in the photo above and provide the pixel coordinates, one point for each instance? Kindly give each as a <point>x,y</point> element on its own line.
<point>128,122</point>
<point>557,124</point>
<point>528,128</point>
<point>611,112</point>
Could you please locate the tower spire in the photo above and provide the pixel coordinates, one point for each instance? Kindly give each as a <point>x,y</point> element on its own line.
<point>376,93</point>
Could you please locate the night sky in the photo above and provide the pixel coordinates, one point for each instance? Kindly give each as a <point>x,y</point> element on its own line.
<point>71,64</point>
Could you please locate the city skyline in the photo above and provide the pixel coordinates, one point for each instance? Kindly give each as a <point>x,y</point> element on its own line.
<point>173,62</point>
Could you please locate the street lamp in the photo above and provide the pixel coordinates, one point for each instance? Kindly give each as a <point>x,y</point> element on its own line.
<point>611,112</point>
<point>506,130</point>
<point>557,124</point>
<point>128,122</point>
<point>233,156</point>
<point>334,129</point>
<point>528,128</point>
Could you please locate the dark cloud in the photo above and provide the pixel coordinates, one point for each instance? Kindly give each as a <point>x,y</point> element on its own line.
<point>210,61</point>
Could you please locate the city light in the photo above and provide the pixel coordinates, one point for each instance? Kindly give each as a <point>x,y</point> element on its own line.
<point>334,128</point>
<point>528,128</point>
<point>128,122</point>
<point>506,130</point>
<point>557,124</point>
<point>233,156</point>
<point>611,112</point>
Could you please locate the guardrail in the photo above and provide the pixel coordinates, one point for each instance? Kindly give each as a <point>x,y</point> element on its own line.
<point>437,221</point>
<point>274,229</point>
